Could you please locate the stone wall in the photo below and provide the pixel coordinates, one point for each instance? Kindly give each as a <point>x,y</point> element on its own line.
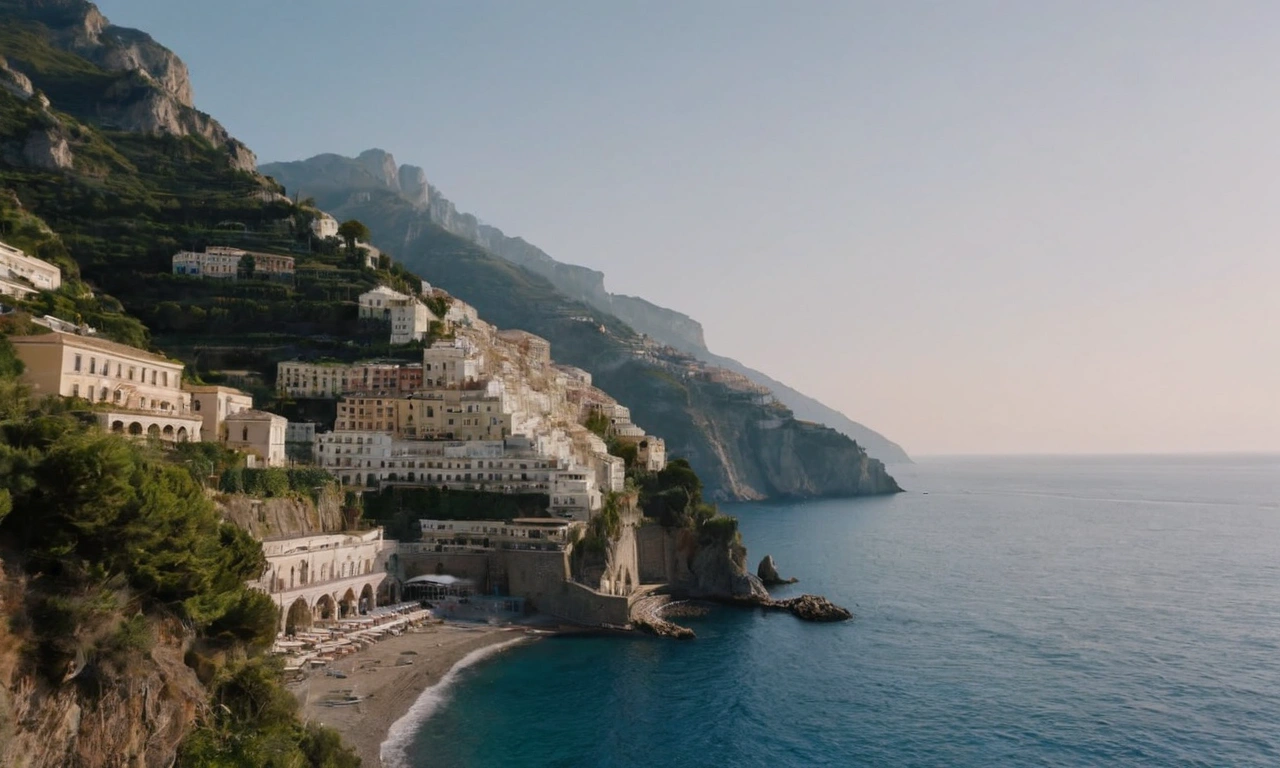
<point>657,555</point>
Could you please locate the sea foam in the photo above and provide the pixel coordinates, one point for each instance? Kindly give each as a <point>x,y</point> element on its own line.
<point>394,750</point>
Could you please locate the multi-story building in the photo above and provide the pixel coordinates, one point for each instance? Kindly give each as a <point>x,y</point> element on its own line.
<point>215,262</point>
<point>533,533</point>
<point>377,303</point>
<point>226,263</point>
<point>438,414</point>
<point>372,458</point>
<point>574,494</point>
<point>214,404</point>
<point>410,321</point>
<point>327,576</point>
<point>409,377</point>
<point>611,473</point>
<point>651,453</point>
<point>22,275</point>
<point>301,379</point>
<point>258,433</point>
<point>135,392</point>
<point>451,363</point>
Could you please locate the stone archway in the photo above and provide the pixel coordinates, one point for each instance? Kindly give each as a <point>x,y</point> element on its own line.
<point>326,609</point>
<point>182,434</point>
<point>117,427</point>
<point>298,618</point>
<point>135,428</point>
<point>153,431</point>
<point>368,599</point>
<point>167,432</point>
<point>348,603</point>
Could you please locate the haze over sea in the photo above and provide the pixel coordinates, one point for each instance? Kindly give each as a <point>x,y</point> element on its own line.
<point>1013,611</point>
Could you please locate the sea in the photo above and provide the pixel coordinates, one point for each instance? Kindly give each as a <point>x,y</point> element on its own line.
<point>1037,611</point>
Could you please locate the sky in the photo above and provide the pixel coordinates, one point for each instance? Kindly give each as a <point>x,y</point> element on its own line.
<point>976,227</point>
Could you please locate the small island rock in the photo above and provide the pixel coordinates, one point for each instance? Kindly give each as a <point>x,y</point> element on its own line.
<point>768,573</point>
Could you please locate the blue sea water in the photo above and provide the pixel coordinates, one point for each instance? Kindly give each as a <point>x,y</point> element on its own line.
<point>1028,611</point>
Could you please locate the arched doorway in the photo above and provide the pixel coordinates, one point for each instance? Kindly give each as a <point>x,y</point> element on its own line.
<point>299,617</point>
<point>367,599</point>
<point>167,432</point>
<point>325,608</point>
<point>117,427</point>
<point>182,434</point>
<point>153,431</point>
<point>348,603</point>
<point>135,428</point>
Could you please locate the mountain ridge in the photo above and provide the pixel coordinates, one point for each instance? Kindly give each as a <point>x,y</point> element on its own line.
<point>329,172</point>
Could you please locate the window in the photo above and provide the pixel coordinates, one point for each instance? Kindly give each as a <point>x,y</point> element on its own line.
<point>77,365</point>
<point>195,405</point>
<point>244,434</point>
<point>132,371</point>
<point>75,390</point>
<point>166,378</point>
<point>93,365</point>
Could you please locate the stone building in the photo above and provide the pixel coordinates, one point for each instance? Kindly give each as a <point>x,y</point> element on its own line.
<point>328,576</point>
<point>221,262</point>
<point>136,392</point>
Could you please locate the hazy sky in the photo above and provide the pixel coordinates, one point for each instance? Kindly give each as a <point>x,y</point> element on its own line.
<point>978,227</point>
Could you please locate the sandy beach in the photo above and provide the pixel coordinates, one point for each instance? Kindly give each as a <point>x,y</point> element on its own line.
<point>388,677</point>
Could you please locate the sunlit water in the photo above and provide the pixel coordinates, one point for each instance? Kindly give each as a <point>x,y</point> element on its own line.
<point>1062,612</point>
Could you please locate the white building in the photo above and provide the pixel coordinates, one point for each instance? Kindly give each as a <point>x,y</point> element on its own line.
<point>574,494</point>
<point>450,363</point>
<point>327,576</point>
<point>22,275</point>
<point>410,321</point>
<point>611,473</point>
<point>376,304</point>
<point>324,226</point>
<point>258,433</point>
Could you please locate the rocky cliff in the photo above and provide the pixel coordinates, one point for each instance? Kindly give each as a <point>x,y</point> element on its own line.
<point>288,516</point>
<point>132,716</point>
<point>332,178</point>
<point>118,78</point>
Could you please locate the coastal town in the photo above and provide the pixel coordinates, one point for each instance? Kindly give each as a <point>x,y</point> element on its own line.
<point>486,410</point>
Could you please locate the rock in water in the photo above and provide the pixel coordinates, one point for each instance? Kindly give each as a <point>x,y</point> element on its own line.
<point>814,608</point>
<point>768,573</point>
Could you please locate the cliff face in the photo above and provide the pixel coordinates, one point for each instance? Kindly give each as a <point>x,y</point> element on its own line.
<point>139,86</point>
<point>270,518</point>
<point>135,715</point>
<point>332,179</point>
